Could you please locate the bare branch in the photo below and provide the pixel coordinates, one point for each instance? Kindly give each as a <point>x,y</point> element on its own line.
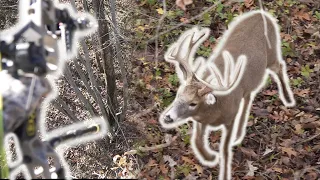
<point>120,59</point>
<point>84,101</point>
<point>185,22</point>
<point>63,107</point>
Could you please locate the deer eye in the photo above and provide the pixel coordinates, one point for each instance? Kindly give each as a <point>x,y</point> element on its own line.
<point>192,104</point>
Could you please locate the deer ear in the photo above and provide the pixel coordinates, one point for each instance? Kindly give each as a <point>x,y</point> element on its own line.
<point>210,99</point>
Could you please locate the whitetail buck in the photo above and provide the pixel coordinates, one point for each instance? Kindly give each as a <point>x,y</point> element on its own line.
<point>217,93</point>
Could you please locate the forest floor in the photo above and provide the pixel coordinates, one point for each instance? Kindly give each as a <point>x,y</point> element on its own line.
<point>280,143</point>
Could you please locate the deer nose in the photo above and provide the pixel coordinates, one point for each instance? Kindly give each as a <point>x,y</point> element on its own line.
<point>168,119</point>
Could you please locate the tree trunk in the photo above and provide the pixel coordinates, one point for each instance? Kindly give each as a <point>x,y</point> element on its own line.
<point>106,53</point>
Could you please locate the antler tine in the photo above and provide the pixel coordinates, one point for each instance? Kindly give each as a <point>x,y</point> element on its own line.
<point>229,65</point>
<point>191,44</point>
<point>189,47</point>
<point>230,78</point>
<point>217,75</point>
<point>168,55</point>
<point>181,51</point>
<point>182,58</point>
<point>237,70</point>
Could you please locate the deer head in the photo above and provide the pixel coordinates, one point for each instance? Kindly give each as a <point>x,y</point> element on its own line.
<point>196,96</point>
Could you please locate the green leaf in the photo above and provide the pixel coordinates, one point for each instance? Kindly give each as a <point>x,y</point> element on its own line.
<point>173,79</point>
<point>207,19</point>
<point>184,169</point>
<point>279,2</point>
<point>171,15</point>
<point>297,82</point>
<point>219,8</point>
<point>167,101</point>
<point>286,50</point>
<point>269,81</point>
<point>212,39</point>
<point>158,72</point>
<point>305,71</point>
<point>151,2</point>
<point>317,14</point>
<point>179,12</point>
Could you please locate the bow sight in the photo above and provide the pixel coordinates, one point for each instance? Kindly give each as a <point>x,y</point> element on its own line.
<point>33,47</point>
<point>29,52</point>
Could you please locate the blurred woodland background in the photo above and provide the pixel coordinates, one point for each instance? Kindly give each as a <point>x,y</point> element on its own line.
<point>120,74</point>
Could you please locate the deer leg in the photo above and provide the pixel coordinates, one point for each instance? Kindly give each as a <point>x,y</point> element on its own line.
<point>199,134</point>
<point>241,128</point>
<point>226,154</point>
<point>283,85</point>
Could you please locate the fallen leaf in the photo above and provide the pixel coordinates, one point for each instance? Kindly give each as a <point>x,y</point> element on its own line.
<point>187,160</point>
<point>152,121</point>
<point>261,112</point>
<point>267,151</point>
<point>312,125</point>
<point>169,159</point>
<point>163,168</point>
<point>115,158</point>
<point>270,93</point>
<point>285,160</point>
<point>248,152</point>
<point>191,177</point>
<point>184,20</point>
<point>275,116</point>
<point>183,3</point>
<point>286,142</point>
<point>198,168</point>
<point>141,28</point>
<point>250,123</point>
<point>248,177</point>
<point>289,151</point>
<point>302,93</point>
<point>316,148</point>
<point>206,43</point>
<point>298,128</point>
<point>214,137</point>
<point>160,11</point>
<point>248,3</point>
<point>302,15</point>
<point>312,175</point>
<point>152,162</point>
<point>252,169</point>
<point>123,161</point>
<point>279,170</point>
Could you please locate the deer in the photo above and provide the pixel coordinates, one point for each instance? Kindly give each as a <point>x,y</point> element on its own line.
<point>217,93</point>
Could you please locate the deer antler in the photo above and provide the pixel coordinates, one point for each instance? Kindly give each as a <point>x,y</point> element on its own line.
<point>231,73</point>
<point>183,50</point>
<point>181,53</point>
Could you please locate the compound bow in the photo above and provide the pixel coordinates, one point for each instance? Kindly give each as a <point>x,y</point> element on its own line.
<point>29,52</point>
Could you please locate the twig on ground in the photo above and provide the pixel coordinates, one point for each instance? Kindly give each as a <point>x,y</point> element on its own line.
<point>168,139</point>
<point>316,112</point>
<point>309,139</point>
<point>158,29</point>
